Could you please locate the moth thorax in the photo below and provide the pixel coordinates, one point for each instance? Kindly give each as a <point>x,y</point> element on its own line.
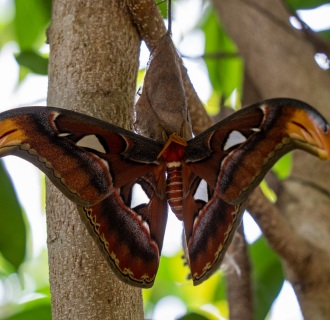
<point>174,187</point>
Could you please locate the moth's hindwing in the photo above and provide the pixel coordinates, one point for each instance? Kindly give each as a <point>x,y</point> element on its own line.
<point>232,158</point>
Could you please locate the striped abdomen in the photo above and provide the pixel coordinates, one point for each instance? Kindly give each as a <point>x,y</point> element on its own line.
<point>174,187</point>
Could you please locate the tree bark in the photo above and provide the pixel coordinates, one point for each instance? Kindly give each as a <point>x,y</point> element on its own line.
<point>93,66</point>
<point>279,62</point>
<point>238,275</point>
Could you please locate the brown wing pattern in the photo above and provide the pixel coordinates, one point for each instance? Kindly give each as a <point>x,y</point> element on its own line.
<point>233,157</point>
<point>131,239</point>
<point>96,165</point>
<point>86,158</point>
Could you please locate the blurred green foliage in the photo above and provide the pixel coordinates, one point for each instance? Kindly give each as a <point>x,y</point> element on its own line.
<point>224,65</point>
<point>23,278</point>
<point>305,4</point>
<point>13,231</point>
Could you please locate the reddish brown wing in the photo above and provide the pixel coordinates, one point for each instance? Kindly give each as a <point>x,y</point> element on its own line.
<point>86,158</point>
<point>233,157</point>
<point>97,165</point>
<point>129,237</point>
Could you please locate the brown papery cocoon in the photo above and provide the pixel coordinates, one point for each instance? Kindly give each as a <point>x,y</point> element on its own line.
<point>162,108</point>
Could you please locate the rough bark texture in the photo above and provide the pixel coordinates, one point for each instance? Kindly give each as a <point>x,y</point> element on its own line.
<point>93,66</point>
<point>280,62</point>
<point>239,284</point>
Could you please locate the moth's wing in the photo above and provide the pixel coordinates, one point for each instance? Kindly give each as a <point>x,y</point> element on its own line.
<point>130,235</point>
<point>209,225</point>
<point>232,157</point>
<point>98,166</point>
<point>86,158</point>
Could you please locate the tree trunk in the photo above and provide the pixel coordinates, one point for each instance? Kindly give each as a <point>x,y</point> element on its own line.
<point>280,62</point>
<point>93,66</point>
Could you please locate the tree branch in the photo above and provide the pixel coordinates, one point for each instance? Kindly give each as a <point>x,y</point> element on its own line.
<point>320,45</point>
<point>92,69</point>
<point>281,62</point>
<point>275,228</point>
<point>239,285</point>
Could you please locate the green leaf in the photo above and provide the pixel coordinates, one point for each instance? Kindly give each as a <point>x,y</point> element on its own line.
<point>283,167</point>
<point>34,61</point>
<point>39,309</point>
<point>31,20</point>
<point>305,4</point>
<point>6,268</point>
<point>6,33</point>
<point>37,313</point>
<point>12,224</point>
<point>225,67</point>
<point>193,316</point>
<point>267,277</point>
<point>162,6</point>
<point>268,192</point>
<point>23,73</point>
